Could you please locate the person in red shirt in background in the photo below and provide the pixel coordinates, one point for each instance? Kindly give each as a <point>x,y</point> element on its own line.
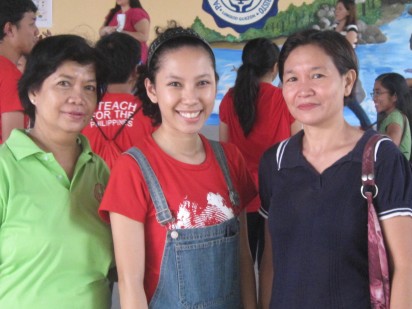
<point>129,16</point>
<point>254,116</point>
<point>118,122</point>
<point>18,35</point>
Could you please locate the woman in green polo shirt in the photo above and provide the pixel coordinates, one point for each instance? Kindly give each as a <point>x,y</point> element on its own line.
<point>54,250</point>
<point>394,107</point>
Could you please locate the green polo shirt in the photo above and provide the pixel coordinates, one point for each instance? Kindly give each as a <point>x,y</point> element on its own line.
<point>55,252</point>
<point>396,117</point>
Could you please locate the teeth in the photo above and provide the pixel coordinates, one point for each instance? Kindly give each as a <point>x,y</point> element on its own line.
<point>189,115</point>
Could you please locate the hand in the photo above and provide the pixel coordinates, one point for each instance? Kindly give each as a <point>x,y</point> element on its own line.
<point>45,34</point>
<point>107,30</point>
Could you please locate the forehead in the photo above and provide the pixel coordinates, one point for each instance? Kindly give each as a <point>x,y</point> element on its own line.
<point>181,56</point>
<point>74,68</point>
<point>308,55</point>
<point>28,17</point>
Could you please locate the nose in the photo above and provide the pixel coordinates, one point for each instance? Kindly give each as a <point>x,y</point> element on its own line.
<point>77,95</point>
<point>190,95</point>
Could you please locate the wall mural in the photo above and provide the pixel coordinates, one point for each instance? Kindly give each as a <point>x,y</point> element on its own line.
<point>385,29</point>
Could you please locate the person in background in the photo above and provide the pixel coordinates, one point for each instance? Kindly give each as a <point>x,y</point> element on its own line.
<point>195,234</point>
<point>128,16</point>
<point>316,250</point>
<point>254,116</point>
<point>55,252</point>
<point>346,24</point>
<point>394,107</point>
<point>18,35</point>
<point>118,123</point>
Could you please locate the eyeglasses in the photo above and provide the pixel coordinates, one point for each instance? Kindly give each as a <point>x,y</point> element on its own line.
<point>377,93</point>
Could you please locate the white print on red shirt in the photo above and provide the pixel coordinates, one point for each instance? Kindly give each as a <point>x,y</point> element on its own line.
<point>190,215</point>
<point>114,113</point>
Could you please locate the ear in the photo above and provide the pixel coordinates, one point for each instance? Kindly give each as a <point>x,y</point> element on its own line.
<point>32,96</point>
<point>349,79</point>
<point>150,90</point>
<point>275,70</point>
<point>8,28</point>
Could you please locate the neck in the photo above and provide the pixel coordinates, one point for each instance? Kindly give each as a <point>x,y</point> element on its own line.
<point>267,78</point>
<point>320,139</point>
<point>9,52</point>
<point>65,148</point>
<point>187,148</point>
<point>124,7</point>
<point>120,88</point>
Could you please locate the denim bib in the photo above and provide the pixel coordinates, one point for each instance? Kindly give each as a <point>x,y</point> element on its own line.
<point>200,267</point>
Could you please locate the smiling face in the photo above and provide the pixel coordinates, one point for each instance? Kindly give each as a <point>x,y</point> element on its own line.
<point>184,89</point>
<point>313,88</point>
<point>341,13</point>
<point>385,102</point>
<point>66,100</point>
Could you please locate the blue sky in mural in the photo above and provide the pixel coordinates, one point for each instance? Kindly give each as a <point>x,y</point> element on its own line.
<point>392,56</point>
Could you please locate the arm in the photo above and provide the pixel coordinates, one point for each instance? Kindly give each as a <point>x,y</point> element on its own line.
<point>142,28</point>
<point>247,274</point>
<point>266,272</point>
<point>129,248</point>
<point>352,37</point>
<point>105,30</point>
<point>223,132</point>
<point>397,232</point>
<point>10,121</point>
<point>394,131</point>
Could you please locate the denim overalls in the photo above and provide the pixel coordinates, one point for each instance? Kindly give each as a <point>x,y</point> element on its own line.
<point>200,267</point>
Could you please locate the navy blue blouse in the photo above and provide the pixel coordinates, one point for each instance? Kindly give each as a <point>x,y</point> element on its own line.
<point>318,222</point>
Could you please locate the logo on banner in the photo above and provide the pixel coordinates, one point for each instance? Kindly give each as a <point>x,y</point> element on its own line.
<point>241,14</point>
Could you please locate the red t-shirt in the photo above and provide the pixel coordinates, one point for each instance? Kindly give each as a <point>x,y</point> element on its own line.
<point>197,196</point>
<point>9,96</point>
<point>113,111</point>
<point>133,16</point>
<point>272,125</point>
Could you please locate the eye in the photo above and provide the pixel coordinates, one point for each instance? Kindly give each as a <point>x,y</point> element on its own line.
<point>291,79</point>
<point>317,76</point>
<point>90,88</point>
<point>204,83</point>
<point>63,83</point>
<point>174,84</point>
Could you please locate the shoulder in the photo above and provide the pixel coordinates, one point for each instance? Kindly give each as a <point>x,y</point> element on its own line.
<point>226,102</point>
<point>351,27</point>
<point>137,12</point>
<point>394,116</point>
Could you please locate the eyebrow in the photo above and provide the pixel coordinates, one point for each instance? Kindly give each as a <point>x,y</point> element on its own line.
<point>198,76</point>
<point>72,77</point>
<point>311,69</point>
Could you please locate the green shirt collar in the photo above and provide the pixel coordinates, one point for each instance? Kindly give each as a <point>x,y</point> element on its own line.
<point>22,146</point>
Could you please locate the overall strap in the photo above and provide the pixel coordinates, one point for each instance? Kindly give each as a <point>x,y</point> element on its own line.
<point>221,158</point>
<point>163,214</point>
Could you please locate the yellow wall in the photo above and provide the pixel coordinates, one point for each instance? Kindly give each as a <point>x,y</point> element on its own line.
<point>84,17</point>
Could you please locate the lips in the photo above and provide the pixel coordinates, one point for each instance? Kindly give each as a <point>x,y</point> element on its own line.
<point>307,106</point>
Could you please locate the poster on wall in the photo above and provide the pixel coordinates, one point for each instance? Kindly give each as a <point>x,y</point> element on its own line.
<point>241,14</point>
<point>44,13</point>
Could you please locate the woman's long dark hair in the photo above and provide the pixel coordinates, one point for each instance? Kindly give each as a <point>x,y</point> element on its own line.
<point>259,57</point>
<point>113,11</point>
<point>396,85</point>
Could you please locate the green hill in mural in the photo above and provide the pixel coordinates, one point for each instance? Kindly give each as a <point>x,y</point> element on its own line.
<point>295,18</point>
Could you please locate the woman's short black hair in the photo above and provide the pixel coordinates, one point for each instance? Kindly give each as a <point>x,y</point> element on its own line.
<point>335,45</point>
<point>47,56</point>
